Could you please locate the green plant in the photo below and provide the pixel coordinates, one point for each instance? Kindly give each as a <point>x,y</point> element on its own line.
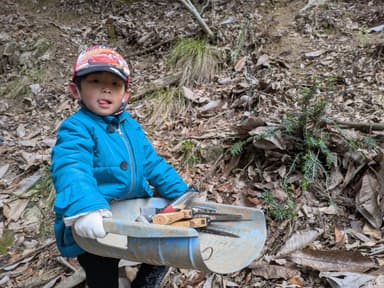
<point>363,38</point>
<point>238,147</point>
<point>197,60</point>
<point>43,189</point>
<point>313,155</point>
<point>42,194</point>
<point>6,241</point>
<point>279,211</point>
<point>240,42</point>
<point>189,153</point>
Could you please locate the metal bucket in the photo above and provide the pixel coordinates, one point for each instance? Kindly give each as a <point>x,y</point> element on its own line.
<point>178,246</point>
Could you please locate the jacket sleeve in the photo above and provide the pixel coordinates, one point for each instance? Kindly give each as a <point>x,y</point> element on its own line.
<point>72,171</point>
<point>162,175</point>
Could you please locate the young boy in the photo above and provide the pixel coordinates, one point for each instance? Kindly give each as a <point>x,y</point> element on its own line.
<point>102,154</point>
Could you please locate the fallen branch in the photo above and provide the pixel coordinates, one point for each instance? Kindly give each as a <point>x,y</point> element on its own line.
<point>74,280</point>
<point>188,4</point>
<point>358,125</point>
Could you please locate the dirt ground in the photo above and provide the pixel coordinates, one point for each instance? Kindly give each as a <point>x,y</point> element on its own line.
<point>272,50</point>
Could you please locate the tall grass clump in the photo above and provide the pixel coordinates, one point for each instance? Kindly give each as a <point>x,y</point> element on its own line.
<point>196,60</point>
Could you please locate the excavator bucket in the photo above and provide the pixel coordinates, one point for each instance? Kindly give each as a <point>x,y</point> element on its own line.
<point>180,247</point>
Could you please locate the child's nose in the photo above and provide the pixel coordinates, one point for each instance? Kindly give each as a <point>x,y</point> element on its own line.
<point>106,90</point>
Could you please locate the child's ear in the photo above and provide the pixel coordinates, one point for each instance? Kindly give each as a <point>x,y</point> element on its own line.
<point>74,90</point>
<point>126,96</point>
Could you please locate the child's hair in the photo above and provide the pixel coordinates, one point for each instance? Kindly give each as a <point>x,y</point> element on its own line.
<point>100,58</point>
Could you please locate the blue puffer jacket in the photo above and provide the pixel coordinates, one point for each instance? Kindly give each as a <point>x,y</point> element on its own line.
<point>98,159</point>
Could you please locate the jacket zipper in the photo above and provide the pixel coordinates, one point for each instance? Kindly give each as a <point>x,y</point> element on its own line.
<point>130,155</point>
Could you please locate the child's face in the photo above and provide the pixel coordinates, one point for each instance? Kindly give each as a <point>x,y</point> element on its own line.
<point>102,92</point>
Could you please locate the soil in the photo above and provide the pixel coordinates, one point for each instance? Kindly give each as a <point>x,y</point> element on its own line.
<point>288,46</point>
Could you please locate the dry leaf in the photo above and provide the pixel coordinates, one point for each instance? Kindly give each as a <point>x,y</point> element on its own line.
<point>298,281</point>
<point>366,200</point>
<point>254,200</point>
<point>27,183</point>
<point>273,271</point>
<point>266,139</point>
<point>194,97</point>
<point>314,54</point>
<point>346,279</point>
<point>298,241</point>
<point>211,105</point>
<point>370,231</point>
<point>3,170</point>
<point>263,61</point>
<point>332,260</point>
<point>14,209</point>
<point>240,64</point>
<point>339,235</point>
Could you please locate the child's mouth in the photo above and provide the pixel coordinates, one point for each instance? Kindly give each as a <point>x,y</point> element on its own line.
<point>104,103</point>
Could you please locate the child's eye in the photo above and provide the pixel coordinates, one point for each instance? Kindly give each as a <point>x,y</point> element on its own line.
<point>117,84</point>
<point>95,81</point>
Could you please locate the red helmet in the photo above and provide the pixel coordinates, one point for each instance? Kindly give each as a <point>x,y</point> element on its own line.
<point>101,58</point>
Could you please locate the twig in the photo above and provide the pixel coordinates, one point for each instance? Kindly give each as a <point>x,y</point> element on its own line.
<point>357,125</point>
<point>150,49</point>
<point>64,262</point>
<point>188,4</point>
<point>74,280</point>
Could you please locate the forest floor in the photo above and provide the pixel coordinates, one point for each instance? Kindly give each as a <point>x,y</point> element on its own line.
<point>327,235</point>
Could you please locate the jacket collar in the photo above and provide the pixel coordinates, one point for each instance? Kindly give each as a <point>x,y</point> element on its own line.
<point>107,119</point>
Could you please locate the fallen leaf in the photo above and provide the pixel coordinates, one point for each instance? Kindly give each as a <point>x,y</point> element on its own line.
<point>266,138</point>
<point>194,97</point>
<point>339,235</point>
<point>3,170</point>
<point>298,241</point>
<point>298,281</point>
<point>314,54</point>
<point>240,64</point>
<point>332,260</point>
<point>346,279</point>
<point>14,209</point>
<point>273,271</point>
<point>211,105</point>
<point>366,200</point>
<point>263,61</point>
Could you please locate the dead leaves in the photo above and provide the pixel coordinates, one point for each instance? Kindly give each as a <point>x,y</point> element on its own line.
<point>298,241</point>
<point>332,260</point>
<point>367,200</point>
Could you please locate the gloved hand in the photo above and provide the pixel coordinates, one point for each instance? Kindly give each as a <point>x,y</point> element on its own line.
<point>91,225</point>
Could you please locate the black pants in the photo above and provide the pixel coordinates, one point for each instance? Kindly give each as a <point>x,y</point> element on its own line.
<point>103,272</point>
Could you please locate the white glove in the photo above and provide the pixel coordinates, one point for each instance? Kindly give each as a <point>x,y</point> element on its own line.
<point>91,225</point>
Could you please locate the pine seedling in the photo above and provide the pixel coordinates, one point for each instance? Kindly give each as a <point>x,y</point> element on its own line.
<point>238,147</point>
<point>312,169</point>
